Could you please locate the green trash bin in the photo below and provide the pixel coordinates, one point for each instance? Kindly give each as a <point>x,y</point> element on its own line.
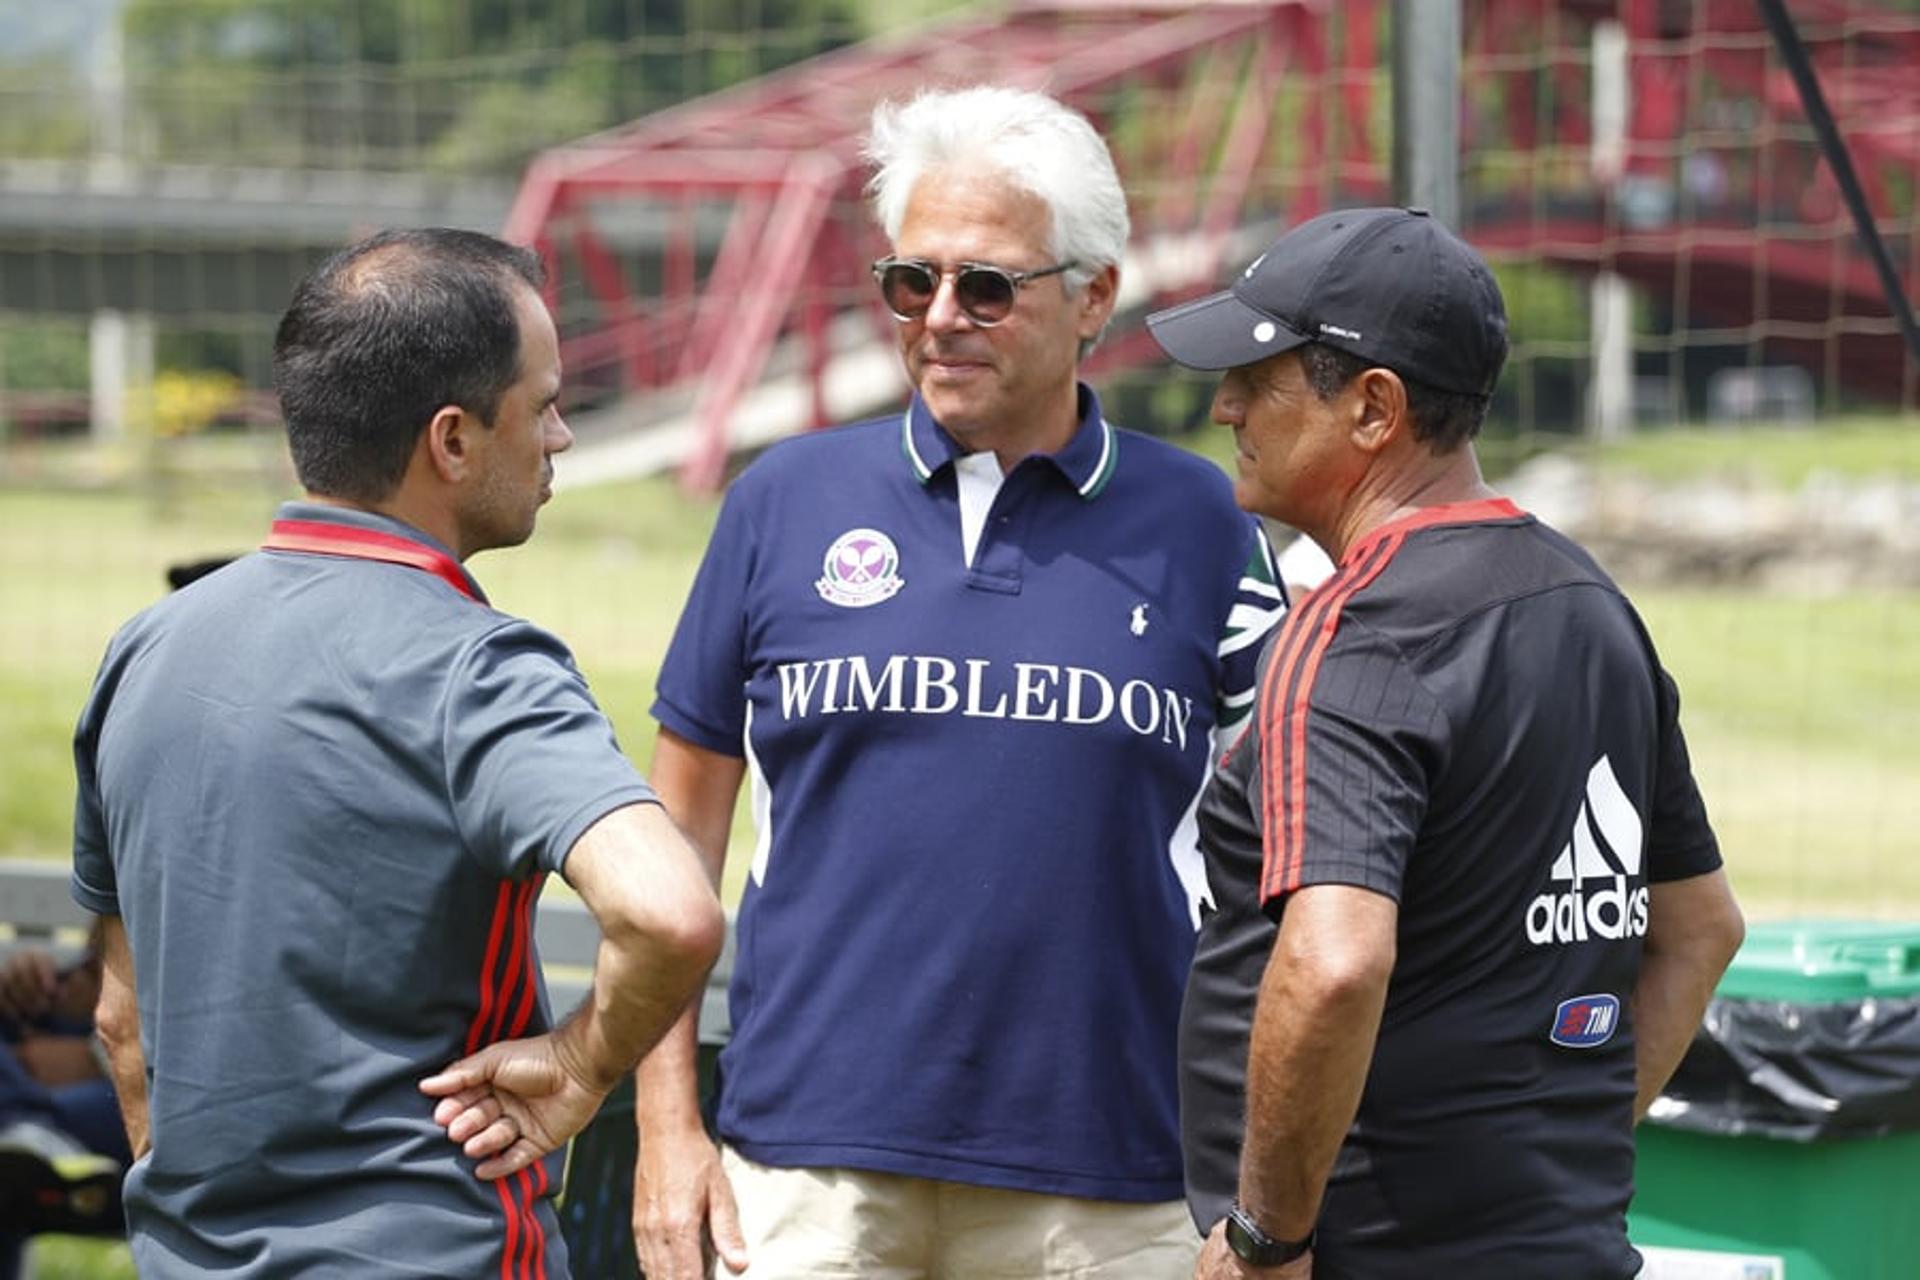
<point>1787,1146</point>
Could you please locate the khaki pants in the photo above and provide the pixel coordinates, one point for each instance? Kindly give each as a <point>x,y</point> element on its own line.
<point>838,1224</point>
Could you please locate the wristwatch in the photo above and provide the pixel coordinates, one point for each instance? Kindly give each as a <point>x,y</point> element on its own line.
<point>1250,1244</point>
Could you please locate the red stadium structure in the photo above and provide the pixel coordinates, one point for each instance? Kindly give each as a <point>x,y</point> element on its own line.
<point>709,263</point>
<point>1722,208</point>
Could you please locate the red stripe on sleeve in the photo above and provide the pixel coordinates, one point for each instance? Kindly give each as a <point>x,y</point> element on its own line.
<point>1283,873</point>
<point>529,978</point>
<point>537,1239</point>
<point>516,958</point>
<point>511,1245</point>
<point>502,909</point>
<point>1272,698</point>
<point>1297,744</point>
<point>523,1200</point>
<point>1295,631</point>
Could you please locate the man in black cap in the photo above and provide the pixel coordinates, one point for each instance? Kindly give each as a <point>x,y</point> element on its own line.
<point>1469,908</point>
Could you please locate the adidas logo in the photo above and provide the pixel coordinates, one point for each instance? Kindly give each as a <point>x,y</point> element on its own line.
<point>1597,869</point>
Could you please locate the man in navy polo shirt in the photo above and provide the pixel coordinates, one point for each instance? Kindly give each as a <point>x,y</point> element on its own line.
<point>974,657</point>
<point>319,791</point>
<point>1464,798</point>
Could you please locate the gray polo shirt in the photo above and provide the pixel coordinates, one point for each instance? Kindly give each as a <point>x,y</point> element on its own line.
<point>322,792</point>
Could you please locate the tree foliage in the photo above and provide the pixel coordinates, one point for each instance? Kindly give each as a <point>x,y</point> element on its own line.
<point>472,85</point>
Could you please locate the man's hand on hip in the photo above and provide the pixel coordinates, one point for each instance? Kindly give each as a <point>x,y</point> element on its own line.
<point>511,1103</point>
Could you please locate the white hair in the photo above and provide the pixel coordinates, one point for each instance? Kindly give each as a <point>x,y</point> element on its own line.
<point>1038,145</point>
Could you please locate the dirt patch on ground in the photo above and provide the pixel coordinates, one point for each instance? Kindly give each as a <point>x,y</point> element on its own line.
<point>1832,533</point>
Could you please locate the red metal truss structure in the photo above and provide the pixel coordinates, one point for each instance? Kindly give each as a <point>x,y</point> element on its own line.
<point>702,254</point>
<point>1186,95</point>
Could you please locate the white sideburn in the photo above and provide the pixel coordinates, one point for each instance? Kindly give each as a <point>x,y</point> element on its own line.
<point>978,477</point>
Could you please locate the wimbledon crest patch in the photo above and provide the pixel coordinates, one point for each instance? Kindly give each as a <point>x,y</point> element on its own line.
<point>862,568</point>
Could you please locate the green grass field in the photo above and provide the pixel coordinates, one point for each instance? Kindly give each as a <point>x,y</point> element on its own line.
<point>1851,448</point>
<point>1803,712</point>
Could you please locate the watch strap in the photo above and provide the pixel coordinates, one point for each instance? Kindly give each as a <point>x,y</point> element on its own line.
<point>1250,1244</point>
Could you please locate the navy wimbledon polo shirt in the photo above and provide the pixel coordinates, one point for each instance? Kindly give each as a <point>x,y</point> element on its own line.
<point>972,907</point>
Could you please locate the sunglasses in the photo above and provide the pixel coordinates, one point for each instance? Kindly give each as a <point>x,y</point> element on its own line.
<point>984,292</point>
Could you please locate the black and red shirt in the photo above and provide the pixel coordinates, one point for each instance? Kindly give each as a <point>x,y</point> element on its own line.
<point>1469,718</point>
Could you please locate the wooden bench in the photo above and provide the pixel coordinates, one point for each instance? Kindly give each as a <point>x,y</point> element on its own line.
<point>36,908</point>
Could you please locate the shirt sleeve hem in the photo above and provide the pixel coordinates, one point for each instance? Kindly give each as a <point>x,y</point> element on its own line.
<point>100,902</point>
<point>1271,904</point>
<point>591,812</point>
<point>1702,859</point>
<point>698,732</point>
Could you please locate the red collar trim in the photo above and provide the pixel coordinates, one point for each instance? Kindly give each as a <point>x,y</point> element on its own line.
<point>325,538</point>
<point>1476,512</point>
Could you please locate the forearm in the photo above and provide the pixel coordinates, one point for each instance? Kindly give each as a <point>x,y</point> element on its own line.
<point>660,933</point>
<point>1312,1043</point>
<point>1694,928</point>
<point>666,1095</point>
<point>127,1069</point>
<point>699,789</point>
<point>639,991</point>
<point>116,1023</point>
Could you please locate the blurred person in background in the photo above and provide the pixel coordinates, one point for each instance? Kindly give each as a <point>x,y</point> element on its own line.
<point>62,1147</point>
<point>975,658</point>
<point>319,790</point>
<point>1464,801</point>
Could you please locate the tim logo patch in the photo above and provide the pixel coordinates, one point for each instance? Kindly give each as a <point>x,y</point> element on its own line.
<point>862,568</point>
<point>1586,1022</point>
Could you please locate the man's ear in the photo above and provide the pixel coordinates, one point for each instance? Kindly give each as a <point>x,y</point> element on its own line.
<point>448,442</point>
<point>1097,299</point>
<point>1378,408</point>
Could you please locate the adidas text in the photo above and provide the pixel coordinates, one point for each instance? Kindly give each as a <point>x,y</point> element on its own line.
<point>1610,914</point>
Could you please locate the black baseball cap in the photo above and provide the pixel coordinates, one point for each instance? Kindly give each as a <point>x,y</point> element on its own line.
<point>1391,286</point>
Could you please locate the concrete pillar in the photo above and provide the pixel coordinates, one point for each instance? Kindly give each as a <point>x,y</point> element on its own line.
<point>1610,387</point>
<point>1610,335</point>
<point>1609,101</point>
<point>1426,106</point>
<point>120,356</point>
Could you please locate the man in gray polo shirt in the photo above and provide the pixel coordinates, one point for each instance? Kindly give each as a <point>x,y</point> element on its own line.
<point>319,791</point>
